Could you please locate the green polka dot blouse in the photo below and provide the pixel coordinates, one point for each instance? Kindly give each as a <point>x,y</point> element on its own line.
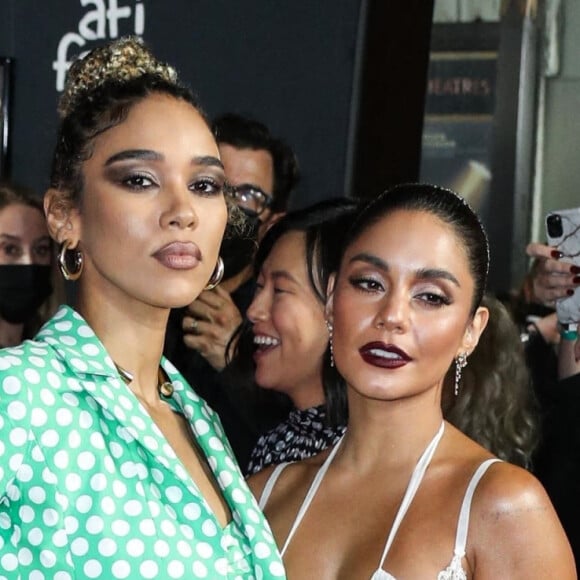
<point>89,486</point>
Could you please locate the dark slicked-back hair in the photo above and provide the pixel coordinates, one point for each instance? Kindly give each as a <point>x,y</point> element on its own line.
<point>247,133</point>
<point>450,208</point>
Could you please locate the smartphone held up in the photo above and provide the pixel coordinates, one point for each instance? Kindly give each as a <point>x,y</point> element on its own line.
<point>563,233</point>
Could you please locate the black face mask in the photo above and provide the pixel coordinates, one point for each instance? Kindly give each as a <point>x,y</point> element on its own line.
<point>23,288</point>
<point>237,251</point>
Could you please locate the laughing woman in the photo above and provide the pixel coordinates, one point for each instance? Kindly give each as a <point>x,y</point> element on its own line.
<point>283,348</point>
<point>110,465</point>
<point>404,494</point>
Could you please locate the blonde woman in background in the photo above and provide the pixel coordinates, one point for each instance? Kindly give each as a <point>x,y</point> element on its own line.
<point>29,289</point>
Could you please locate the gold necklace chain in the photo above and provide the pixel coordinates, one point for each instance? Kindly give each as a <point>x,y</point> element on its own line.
<point>164,388</point>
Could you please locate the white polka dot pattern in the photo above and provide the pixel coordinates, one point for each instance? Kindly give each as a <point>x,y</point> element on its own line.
<point>90,488</point>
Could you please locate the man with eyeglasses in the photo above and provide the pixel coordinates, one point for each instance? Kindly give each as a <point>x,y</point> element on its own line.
<point>261,171</point>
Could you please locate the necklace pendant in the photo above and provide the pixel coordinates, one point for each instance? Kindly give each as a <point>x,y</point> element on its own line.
<point>125,374</point>
<point>165,389</point>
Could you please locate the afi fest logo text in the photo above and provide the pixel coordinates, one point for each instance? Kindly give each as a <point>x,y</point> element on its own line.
<point>100,23</point>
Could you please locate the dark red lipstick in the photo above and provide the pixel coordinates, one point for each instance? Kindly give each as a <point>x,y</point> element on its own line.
<point>386,356</point>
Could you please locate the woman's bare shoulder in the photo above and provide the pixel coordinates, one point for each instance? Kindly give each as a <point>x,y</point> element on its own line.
<point>514,530</point>
<point>509,490</point>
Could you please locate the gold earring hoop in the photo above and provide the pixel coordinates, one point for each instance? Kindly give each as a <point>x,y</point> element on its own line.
<point>77,260</point>
<point>217,275</point>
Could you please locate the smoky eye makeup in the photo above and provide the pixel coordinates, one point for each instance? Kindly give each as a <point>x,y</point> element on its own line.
<point>137,182</point>
<point>128,174</point>
<point>365,283</point>
<point>434,298</point>
<point>207,185</point>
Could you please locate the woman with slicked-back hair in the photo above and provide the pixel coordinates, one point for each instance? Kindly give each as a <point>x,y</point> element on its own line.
<point>404,494</point>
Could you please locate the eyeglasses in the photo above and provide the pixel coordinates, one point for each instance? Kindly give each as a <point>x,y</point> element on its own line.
<point>250,199</point>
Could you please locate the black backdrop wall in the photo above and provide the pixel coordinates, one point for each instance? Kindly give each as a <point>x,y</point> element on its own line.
<point>343,81</point>
<point>288,63</point>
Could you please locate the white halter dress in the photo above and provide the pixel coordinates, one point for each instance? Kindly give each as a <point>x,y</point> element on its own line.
<point>455,569</point>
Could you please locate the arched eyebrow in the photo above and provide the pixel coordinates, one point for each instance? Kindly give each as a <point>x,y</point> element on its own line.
<point>421,273</point>
<point>437,274</point>
<point>150,155</point>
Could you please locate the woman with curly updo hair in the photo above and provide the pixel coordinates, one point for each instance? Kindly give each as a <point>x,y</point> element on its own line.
<point>110,465</point>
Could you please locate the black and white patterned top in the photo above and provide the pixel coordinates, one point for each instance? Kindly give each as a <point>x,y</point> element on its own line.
<point>303,434</point>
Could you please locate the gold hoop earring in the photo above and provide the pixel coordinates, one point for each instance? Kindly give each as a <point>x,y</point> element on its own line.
<point>217,275</point>
<point>63,262</point>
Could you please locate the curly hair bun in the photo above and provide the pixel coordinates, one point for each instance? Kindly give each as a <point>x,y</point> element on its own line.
<point>121,61</point>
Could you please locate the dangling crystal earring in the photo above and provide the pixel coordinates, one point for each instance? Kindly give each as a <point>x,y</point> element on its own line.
<point>330,328</point>
<point>460,364</point>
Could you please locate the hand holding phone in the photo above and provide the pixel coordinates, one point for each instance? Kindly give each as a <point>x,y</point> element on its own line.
<point>563,233</point>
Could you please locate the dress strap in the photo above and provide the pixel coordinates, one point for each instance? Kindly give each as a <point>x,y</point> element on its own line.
<point>310,495</point>
<point>463,524</point>
<point>267,491</point>
<point>414,483</point>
